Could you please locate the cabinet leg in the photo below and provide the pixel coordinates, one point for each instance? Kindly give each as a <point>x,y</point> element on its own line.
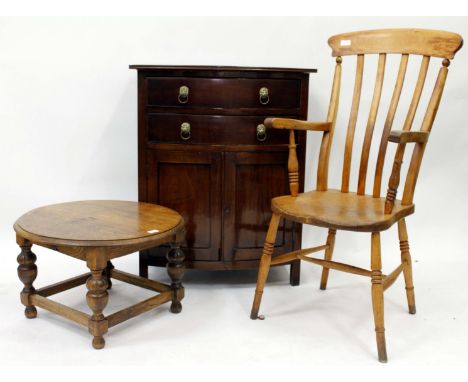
<point>175,269</point>
<point>295,273</point>
<point>143,271</point>
<point>27,273</point>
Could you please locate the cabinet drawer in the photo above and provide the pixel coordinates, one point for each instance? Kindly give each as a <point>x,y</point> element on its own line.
<point>211,129</point>
<point>223,92</point>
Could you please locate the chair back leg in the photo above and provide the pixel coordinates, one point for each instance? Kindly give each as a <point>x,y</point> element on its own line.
<point>328,257</point>
<point>407,267</point>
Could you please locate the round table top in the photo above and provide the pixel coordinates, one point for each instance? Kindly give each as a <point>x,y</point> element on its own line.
<point>97,220</point>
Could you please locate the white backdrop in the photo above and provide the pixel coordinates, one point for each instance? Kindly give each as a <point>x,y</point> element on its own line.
<point>68,120</point>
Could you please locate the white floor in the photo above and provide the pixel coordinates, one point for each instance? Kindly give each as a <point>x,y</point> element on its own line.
<point>304,327</point>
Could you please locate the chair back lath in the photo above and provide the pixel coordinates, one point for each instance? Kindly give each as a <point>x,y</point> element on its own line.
<point>404,42</point>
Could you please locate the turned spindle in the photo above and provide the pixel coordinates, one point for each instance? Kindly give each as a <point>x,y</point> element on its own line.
<point>394,182</point>
<point>293,166</point>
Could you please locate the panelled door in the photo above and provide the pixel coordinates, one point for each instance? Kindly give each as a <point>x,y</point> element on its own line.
<point>190,182</point>
<point>251,180</point>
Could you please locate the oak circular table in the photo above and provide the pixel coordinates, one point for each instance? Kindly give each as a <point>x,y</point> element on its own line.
<point>98,231</point>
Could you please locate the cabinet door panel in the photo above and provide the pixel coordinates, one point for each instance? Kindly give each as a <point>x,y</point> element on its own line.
<point>190,183</point>
<point>251,181</point>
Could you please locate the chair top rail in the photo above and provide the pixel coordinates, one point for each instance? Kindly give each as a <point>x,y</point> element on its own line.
<point>424,42</point>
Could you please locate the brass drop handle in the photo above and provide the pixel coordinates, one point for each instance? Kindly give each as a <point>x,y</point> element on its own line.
<point>185,131</point>
<point>263,96</point>
<point>261,132</point>
<point>183,94</point>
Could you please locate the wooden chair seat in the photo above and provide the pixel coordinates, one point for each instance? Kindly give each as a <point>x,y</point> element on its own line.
<point>339,210</point>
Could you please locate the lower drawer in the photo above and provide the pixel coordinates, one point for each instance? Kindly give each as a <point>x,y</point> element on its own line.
<point>212,129</point>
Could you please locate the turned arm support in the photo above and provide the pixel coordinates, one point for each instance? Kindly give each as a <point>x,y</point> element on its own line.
<point>291,125</point>
<point>295,124</point>
<point>401,137</point>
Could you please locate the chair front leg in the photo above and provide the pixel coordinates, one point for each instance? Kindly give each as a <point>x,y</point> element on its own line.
<point>328,257</point>
<point>265,264</point>
<point>407,267</point>
<point>377,296</point>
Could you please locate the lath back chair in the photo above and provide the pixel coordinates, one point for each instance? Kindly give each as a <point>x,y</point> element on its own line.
<point>357,211</point>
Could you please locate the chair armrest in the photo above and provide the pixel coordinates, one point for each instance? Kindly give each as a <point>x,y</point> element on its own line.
<point>400,136</point>
<point>295,124</point>
<point>291,125</point>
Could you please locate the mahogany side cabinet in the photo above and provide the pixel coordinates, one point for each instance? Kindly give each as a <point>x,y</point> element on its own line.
<point>203,151</point>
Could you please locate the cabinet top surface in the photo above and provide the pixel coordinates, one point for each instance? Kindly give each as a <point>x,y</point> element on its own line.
<point>220,68</point>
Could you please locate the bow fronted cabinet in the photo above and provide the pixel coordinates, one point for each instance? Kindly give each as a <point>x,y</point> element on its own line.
<point>203,151</point>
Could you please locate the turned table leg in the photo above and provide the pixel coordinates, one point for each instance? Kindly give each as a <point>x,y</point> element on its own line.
<point>107,274</point>
<point>27,273</point>
<point>175,269</point>
<point>97,298</point>
<point>143,264</point>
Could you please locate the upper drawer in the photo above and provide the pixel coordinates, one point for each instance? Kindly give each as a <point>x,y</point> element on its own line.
<point>223,92</point>
<point>211,129</point>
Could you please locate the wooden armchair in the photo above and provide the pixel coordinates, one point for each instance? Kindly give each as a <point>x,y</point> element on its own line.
<point>360,212</point>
